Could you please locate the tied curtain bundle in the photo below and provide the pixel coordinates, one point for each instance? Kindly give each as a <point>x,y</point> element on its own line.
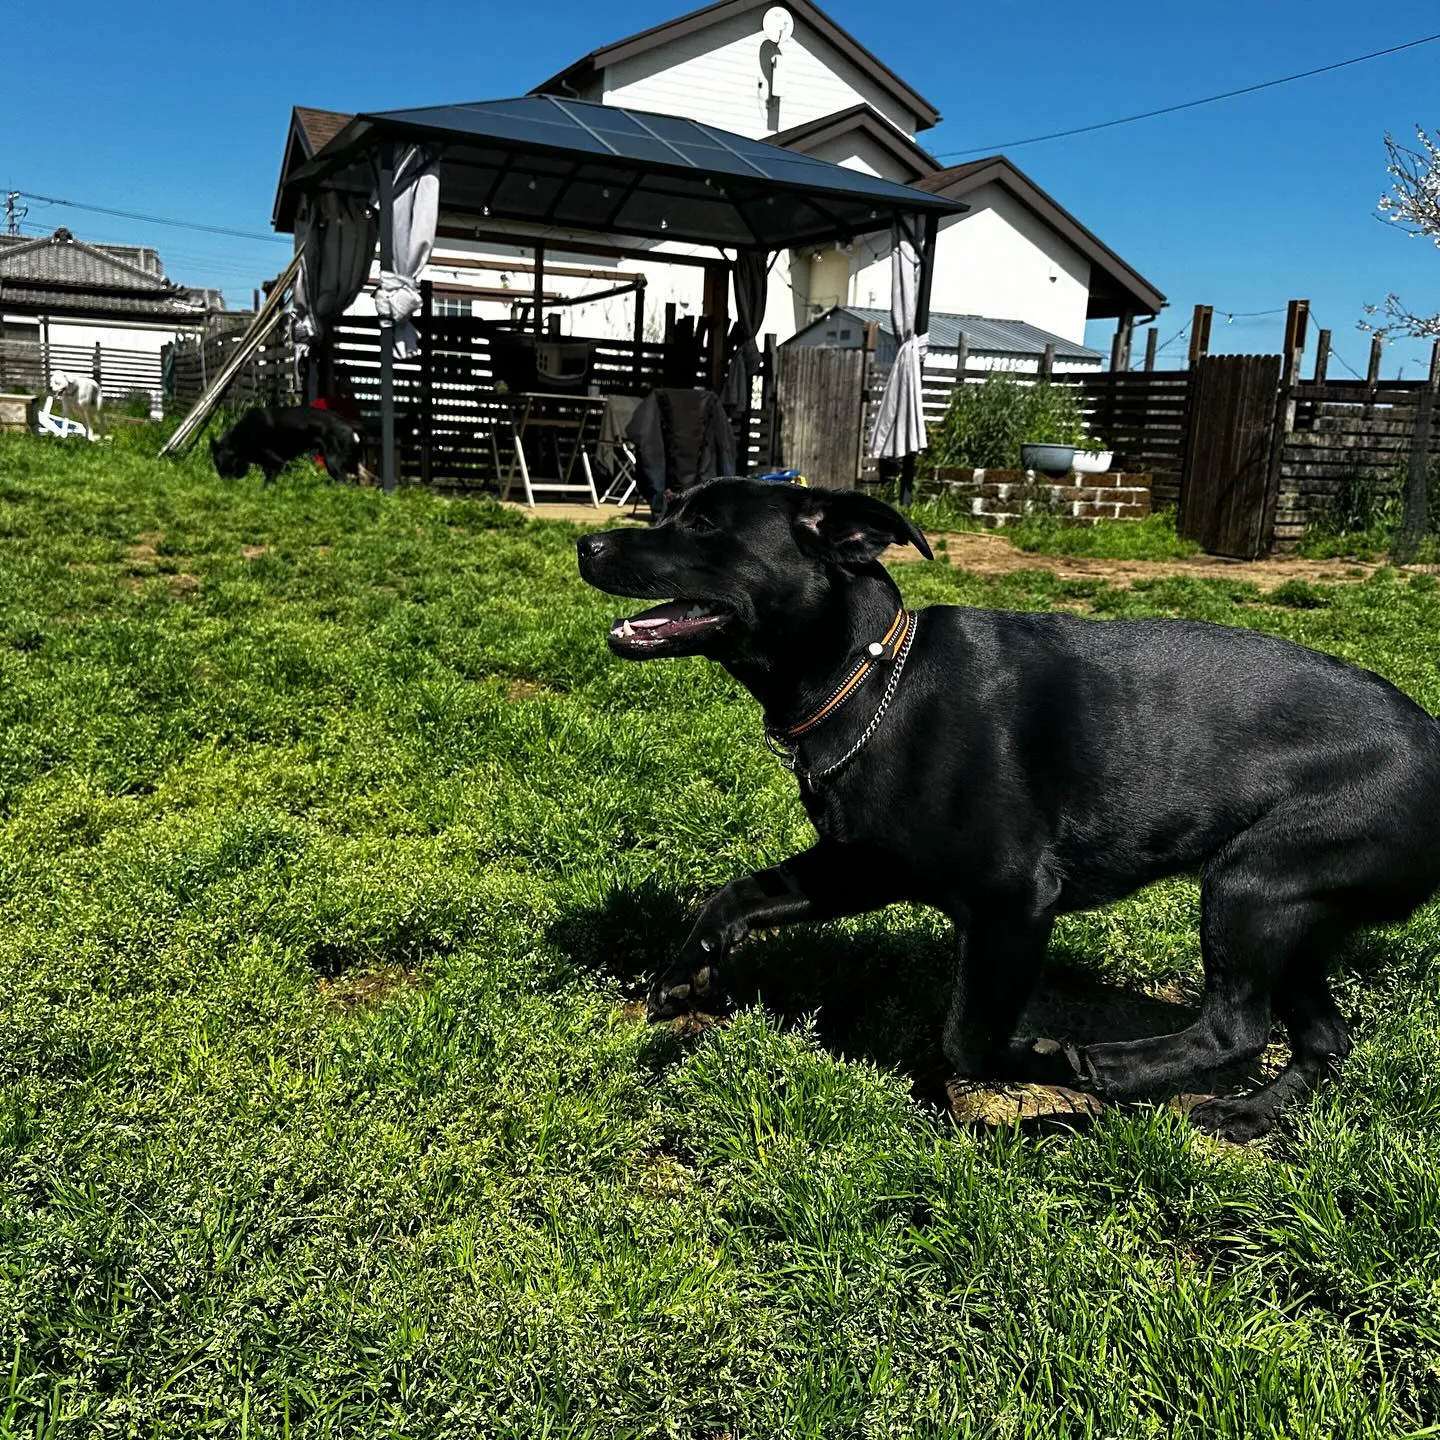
<point>900,425</point>
<point>417,212</point>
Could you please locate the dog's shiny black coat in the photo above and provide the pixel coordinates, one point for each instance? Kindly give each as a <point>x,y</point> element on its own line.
<point>272,436</point>
<point>1036,764</point>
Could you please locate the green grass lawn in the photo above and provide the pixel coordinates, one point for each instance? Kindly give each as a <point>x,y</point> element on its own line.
<point>1041,533</point>
<point>333,846</point>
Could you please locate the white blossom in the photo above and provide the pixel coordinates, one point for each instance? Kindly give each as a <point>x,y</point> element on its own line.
<point>1413,204</point>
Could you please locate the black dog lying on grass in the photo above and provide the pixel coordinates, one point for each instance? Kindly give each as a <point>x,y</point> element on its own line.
<point>1009,768</point>
<point>273,436</point>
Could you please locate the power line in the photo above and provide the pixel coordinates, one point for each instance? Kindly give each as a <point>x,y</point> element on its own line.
<point>1190,104</point>
<point>1178,335</point>
<point>158,220</point>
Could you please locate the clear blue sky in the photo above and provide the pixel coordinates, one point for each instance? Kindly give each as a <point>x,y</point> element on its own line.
<point>1243,205</point>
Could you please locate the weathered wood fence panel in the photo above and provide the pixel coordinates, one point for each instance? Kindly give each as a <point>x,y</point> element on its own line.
<point>268,378</point>
<point>1348,436</point>
<point>1227,503</point>
<point>822,410</point>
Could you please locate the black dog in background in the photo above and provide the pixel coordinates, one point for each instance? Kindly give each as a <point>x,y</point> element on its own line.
<point>271,437</point>
<point>1010,768</point>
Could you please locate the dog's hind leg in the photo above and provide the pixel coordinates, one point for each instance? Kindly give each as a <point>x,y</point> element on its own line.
<point>1319,1041</point>
<point>1257,925</point>
<point>823,883</point>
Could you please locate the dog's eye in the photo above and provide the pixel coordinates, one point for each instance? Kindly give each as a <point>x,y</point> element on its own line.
<point>701,523</point>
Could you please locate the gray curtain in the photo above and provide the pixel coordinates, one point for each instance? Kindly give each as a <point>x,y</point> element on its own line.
<point>752,270</point>
<point>417,212</point>
<point>337,236</point>
<point>900,425</point>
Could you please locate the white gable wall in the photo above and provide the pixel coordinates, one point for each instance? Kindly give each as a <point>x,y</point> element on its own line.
<point>999,260</point>
<point>716,76</point>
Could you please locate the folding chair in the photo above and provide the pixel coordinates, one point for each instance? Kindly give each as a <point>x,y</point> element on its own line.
<point>49,424</point>
<point>615,452</point>
<point>624,482</point>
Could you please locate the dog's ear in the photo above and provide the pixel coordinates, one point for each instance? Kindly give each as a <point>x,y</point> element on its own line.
<point>848,527</point>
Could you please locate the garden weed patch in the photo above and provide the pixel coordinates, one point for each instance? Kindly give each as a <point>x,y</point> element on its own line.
<point>334,848</point>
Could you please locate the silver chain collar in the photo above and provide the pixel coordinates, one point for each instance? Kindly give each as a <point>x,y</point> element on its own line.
<point>789,755</point>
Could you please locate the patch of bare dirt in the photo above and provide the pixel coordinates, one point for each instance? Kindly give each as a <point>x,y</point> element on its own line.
<point>695,1023</point>
<point>520,689</point>
<point>254,552</point>
<point>364,989</point>
<point>143,554</point>
<point>986,553</point>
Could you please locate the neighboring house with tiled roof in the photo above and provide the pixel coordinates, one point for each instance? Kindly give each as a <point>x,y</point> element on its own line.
<point>1016,255</point>
<point>61,297</point>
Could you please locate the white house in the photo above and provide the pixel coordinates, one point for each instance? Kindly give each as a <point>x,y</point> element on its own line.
<point>791,76</point>
<point>69,305</point>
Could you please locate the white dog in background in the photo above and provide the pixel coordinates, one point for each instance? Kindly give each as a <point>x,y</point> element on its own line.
<point>86,396</point>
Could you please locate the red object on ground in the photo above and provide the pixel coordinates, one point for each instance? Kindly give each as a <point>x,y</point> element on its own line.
<point>346,409</point>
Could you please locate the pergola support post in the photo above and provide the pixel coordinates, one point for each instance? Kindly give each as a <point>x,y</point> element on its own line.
<point>922,324</point>
<point>717,309</point>
<point>387,325</point>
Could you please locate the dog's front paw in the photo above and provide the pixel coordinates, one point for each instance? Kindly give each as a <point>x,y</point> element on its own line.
<point>682,990</point>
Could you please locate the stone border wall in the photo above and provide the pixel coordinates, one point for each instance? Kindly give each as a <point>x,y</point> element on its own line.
<point>1001,497</point>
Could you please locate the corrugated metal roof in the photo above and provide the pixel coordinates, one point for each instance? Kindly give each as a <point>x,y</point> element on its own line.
<point>983,335</point>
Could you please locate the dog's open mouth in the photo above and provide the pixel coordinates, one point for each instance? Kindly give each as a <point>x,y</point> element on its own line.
<point>664,627</point>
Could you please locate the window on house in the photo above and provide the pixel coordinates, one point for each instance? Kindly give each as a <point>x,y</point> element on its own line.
<point>449,305</point>
<point>844,334</point>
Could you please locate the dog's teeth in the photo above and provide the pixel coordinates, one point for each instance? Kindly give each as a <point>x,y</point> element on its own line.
<point>694,613</point>
<point>627,629</point>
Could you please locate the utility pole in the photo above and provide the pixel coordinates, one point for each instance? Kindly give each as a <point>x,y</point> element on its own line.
<point>14,213</point>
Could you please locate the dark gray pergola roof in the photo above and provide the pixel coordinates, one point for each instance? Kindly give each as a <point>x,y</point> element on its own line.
<point>543,160</point>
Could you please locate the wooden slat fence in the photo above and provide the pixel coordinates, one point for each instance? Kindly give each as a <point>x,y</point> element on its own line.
<point>267,379</point>
<point>1347,435</point>
<point>451,421</point>
<point>1141,417</point>
<point>25,367</point>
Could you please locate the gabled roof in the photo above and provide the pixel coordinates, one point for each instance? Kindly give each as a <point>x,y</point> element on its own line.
<point>318,127</point>
<point>864,120</point>
<point>63,259</point>
<point>59,272</point>
<point>585,69</point>
<point>983,336</point>
<point>311,131</point>
<point>1115,287</point>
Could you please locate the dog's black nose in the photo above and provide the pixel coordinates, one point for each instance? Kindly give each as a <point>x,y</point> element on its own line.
<point>590,547</point>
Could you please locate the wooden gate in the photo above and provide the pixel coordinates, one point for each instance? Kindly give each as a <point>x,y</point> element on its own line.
<point>1227,501</point>
<point>821,397</point>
